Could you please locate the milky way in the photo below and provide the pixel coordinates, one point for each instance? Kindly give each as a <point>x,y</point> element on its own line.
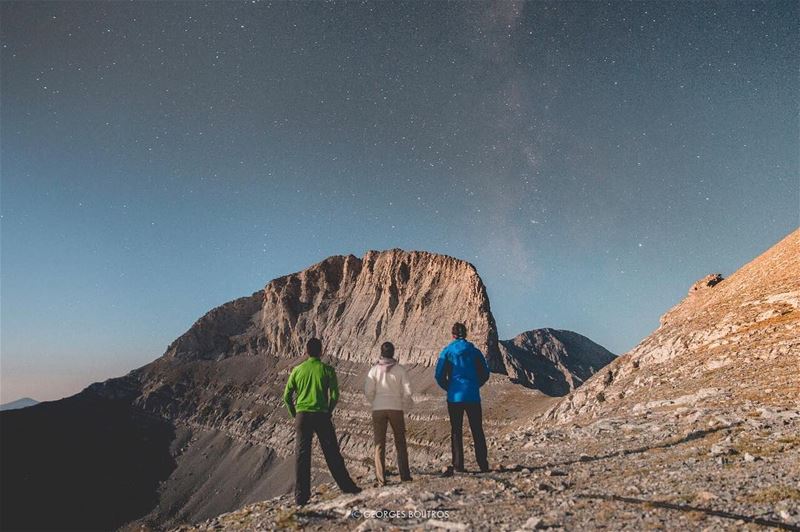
<point>591,159</point>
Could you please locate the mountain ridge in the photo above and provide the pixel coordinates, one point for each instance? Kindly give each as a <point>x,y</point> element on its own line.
<point>552,360</point>
<point>22,402</point>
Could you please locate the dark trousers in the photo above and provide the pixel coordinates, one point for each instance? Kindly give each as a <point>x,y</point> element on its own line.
<point>475,417</point>
<point>380,420</point>
<point>307,424</point>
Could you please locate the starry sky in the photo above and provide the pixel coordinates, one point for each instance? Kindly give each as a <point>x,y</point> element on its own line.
<point>591,159</point>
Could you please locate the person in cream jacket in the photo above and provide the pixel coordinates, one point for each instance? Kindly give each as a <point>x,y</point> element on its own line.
<point>388,390</point>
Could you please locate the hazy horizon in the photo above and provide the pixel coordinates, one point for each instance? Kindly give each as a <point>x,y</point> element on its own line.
<point>591,160</point>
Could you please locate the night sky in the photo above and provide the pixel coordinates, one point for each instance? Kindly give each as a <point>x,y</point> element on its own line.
<point>591,159</point>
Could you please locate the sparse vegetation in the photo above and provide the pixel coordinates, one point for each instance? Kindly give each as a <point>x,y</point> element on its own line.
<point>774,494</point>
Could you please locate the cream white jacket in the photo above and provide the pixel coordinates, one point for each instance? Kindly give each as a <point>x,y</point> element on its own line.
<point>389,390</point>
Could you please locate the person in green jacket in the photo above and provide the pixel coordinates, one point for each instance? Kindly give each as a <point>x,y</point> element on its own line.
<point>317,390</point>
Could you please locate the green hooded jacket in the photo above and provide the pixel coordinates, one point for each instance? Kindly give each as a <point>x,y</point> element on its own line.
<point>316,387</point>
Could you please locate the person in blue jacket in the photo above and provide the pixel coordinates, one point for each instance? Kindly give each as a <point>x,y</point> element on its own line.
<point>461,370</point>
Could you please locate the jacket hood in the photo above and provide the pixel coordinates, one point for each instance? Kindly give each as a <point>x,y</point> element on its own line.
<point>459,346</point>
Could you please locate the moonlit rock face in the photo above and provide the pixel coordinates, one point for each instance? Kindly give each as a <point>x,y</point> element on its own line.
<point>408,298</point>
<point>353,305</point>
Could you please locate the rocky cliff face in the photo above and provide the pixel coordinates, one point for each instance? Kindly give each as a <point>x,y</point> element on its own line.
<point>215,394</point>
<point>353,305</point>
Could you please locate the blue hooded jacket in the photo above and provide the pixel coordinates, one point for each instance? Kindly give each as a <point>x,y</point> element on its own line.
<point>463,382</point>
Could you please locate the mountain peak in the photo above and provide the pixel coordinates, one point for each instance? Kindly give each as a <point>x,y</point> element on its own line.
<point>552,360</point>
<point>23,402</point>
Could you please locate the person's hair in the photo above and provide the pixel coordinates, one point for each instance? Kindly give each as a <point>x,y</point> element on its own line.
<point>459,330</point>
<point>314,348</point>
<point>387,350</point>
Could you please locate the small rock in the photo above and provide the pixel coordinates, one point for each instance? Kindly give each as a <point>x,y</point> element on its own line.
<point>750,458</point>
<point>718,449</point>
<point>633,488</point>
<point>428,496</point>
<point>705,496</point>
<point>532,523</point>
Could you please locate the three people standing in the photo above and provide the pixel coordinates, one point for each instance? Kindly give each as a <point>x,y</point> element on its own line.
<point>460,370</point>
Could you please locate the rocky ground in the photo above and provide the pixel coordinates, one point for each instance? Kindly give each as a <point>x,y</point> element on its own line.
<point>677,469</point>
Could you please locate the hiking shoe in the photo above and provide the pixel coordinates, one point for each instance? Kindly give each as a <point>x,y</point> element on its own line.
<point>355,490</point>
<point>447,472</point>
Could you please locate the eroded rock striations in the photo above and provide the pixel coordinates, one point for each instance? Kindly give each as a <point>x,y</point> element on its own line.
<point>353,305</point>
<point>214,398</point>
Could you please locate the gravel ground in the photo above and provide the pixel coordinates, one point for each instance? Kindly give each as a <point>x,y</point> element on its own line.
<point>676,469</point>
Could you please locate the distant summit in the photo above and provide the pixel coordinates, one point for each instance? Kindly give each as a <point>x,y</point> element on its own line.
<point>19,403</point>
<point>553,361</point>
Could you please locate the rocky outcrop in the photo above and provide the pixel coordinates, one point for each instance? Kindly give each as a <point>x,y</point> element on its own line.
<point>698,294</point>
<point>709,281</point>
<point>353,305</point>
<point>553,361</point>
<point>408,298</point>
